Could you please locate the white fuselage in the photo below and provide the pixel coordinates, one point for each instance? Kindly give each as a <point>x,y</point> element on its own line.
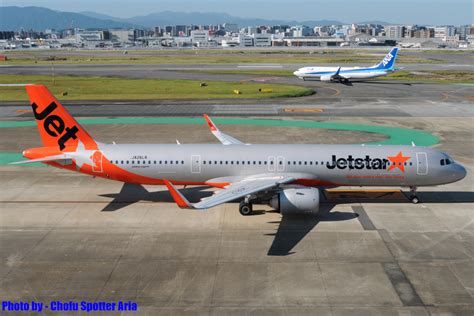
<point>345,72</point>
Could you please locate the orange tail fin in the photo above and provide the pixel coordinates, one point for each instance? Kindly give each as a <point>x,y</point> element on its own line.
<point>56,126</point>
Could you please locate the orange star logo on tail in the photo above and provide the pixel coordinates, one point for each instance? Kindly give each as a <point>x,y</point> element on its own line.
<point>398,161</point>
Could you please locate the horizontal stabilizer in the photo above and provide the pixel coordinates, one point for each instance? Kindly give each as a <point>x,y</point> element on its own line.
<point>45,159</point>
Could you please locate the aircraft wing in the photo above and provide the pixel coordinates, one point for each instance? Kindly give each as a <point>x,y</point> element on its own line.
<point>232,192</point>
<point>337,75</point>
<point>223,138</point>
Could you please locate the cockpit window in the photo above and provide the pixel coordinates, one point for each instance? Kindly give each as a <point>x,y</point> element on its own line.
<point>445,162</point>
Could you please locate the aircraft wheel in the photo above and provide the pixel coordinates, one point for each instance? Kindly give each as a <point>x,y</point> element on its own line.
<point>245,208</point>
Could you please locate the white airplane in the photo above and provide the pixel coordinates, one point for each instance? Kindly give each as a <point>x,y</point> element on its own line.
<point>288,177</point>
<point>344,74</point>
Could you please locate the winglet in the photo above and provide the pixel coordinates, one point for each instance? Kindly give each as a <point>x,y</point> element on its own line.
<point>337,72</point>
<point>210,123</point>
<point>223,138</point>
<point>180,200</point>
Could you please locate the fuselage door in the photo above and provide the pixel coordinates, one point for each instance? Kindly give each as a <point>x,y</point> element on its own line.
<point>421,164</point>
<point>195,163</point>
<point>271,163</point>
<point>280,163</point>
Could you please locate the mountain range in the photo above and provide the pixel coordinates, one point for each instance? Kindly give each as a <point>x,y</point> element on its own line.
<point>13,18</point>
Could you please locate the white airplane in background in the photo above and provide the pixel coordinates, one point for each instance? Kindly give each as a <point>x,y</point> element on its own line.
<point>286,176</point>
<point>344,74</point>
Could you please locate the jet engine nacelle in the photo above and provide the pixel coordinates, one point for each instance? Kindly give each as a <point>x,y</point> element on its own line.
<point>296,200</point>
<point>326,78</point>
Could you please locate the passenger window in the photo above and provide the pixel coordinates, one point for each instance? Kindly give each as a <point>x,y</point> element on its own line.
<point>166,162</point>
<point>305,163</point>
<point>280,162</point>
<point>203,162</point>
<point>133,162</point>
<point>121,162</point>
<point>237,162</point>
<point>154,162</point>
<point>182,162</point>
<point>316,163</point>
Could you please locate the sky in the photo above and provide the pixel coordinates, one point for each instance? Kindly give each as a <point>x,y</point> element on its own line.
<point>432,12</point>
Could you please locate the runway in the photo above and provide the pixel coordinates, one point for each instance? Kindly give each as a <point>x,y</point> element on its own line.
<point>371,98</point>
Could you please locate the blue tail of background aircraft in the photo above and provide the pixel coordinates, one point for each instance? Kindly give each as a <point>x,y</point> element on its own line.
<point>389,60</point>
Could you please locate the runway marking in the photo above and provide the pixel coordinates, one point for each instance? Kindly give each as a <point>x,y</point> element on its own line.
<point>24,111</point>
<point>303,110</point>
<point>259,66</point>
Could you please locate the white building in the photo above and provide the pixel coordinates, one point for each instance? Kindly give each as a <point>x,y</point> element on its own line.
<point>302,30</point>
<point>199,36</point>
<point>245,40</point>
<point>262,40</point>
<point>124,36</point>
<point>443,32</point>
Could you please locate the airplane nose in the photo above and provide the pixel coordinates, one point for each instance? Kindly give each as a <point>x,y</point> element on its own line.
<point>296,73</point>
<point>459,172</point>
<point>462,172</point>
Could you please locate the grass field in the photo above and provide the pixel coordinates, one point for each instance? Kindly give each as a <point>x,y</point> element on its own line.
<point>101,88</point>
<point>198,57</point>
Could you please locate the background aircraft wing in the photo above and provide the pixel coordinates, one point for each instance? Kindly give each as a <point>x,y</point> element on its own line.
<point>223,138</point>
<point>232,192</point>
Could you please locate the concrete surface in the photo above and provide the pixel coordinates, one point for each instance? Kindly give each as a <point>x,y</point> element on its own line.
<point>66,236</point>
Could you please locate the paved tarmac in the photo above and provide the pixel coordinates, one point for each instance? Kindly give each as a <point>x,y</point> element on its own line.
<point>67,236</point>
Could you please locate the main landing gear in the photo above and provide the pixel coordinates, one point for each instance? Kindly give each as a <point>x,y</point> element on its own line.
<point>413,197</point>
<point>245,207</point>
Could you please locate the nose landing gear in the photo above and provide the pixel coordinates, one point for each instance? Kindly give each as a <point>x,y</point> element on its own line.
<point>413,197</point>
